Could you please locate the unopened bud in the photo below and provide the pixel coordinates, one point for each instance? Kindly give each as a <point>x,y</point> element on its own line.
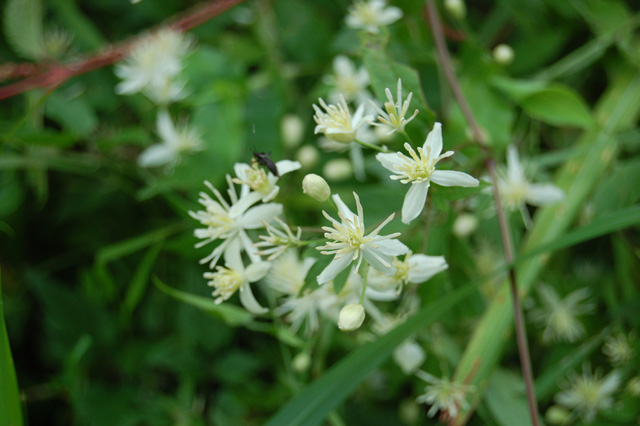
<point>292,130</point>
<point>351,317</point>
<point>464,225</point>
<point>338,169</point>
<point>456,8</point>
<point>316,187</point>
<point>556,415</point>
<point>503,54</point>
<point>301,362</point>
<point>307,156</point>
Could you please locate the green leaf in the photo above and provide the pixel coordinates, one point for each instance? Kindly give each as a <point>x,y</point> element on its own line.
<point>452,193</point>
<point>10,410</point>
<point>518,89</point>
<point>558,105</point>
<point>140,279</point>
<point>506,399</point>
<point>132,245</point>
<point>317,400</point>
<point>230,314</point>
<point>72,112</point>
<point>23,27</point>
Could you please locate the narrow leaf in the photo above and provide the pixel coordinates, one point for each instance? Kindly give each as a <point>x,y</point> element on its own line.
<point>230,314</point>
<point>10,410</point>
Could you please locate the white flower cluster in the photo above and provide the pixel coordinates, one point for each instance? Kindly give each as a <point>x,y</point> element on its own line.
<point>152,67</point>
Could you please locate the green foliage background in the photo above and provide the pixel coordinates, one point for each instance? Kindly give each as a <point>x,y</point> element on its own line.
<point>84,231</point>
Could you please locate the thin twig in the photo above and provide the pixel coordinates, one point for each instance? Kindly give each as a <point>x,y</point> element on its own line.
<point>57,74</point>
<point>521,334</point>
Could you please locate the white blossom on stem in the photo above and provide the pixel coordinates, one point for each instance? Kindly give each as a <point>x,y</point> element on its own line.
<point>394,113</point>
<point>174,142</point>
<point>350,243</point>
<point>260,180</point>
<point>229,221</point>
<point>420,170</point>
<point>336,123</point>
<point>371,15</point>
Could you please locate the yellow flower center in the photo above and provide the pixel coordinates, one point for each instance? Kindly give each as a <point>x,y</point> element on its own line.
<point>226,282</point>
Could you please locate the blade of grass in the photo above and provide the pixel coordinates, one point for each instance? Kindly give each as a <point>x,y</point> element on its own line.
<point>140,279</point>
<point>10,410</point>
<point>323,395</point>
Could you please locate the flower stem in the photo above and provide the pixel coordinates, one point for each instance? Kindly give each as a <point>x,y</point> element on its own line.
<point>371,146</point>
<point>406,135</point>
<point>365,273</point>
<point>521,334</point>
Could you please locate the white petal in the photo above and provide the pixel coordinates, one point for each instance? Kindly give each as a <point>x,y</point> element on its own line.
<point>409,356</point>
<point>423,267</point>
<point>232,258</point>
<point>287,166</point>
<point>243,203</point>
<point>434,140</point>
<point>358,116</point>
<point>254,217</point>
<point>357,159</point>
<point>515,171</point>
<point>249,301</point>
<point>414,201</point>
<point>389,161</point>
<point>343,66</point>
<point>453,178</point>
<point>165,128</point>
<point>379,261</point>
<point>392,247</point>
<point>249,247</point>
<point>342,207</point>
<point>382,295</point>
<point>156,155</point>
<point>334,268</point>
<point>241,170</point>
<point>256,271</point>
<point>543,194</point>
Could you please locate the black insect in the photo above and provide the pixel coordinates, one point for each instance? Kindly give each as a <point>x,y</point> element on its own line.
<point>263,159</point>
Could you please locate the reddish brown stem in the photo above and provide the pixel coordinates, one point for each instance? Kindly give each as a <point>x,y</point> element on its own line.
<point>59,73</point>
<point>521,333</point>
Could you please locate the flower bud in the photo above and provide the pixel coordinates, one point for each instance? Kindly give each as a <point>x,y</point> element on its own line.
<point>292,130</point>
<point>556,415</point>
<point>307,156</point>
<point>503,54</point>
<point>301,362</point>
<point>465,225</point>
<point>351,317</point>
<point>338,169</point>
<point>316,187</point>
<point>456,8</point>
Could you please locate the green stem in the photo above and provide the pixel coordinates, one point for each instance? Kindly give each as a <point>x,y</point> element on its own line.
<point>365,273</point>
<point>406,135</point>
<point>371,146</point>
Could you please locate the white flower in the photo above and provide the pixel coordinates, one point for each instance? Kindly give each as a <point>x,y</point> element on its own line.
<point>415,269</point>
<point>515,189</point>
<point>228,222</point>
<point>443,395</point>
<point>589,393</point>
<point>261,181</point>
<point>174,142</point>
<point>336,122</point>
<point>286,276</point>
<point>371,15</point>
<point>153,64</point>
<point>234,276</point>
<point>351,317</point>
<point>348,81</point>
<point>618,349</point>
<point>394,115</point>
<point>420,171</point>
<point>560,315</point>
<point>350,243</point>
<point>277,240</point>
